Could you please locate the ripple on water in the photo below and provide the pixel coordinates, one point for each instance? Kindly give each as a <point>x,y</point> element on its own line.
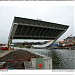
<point>66,59</point>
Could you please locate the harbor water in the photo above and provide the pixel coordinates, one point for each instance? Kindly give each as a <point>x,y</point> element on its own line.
<point>61,58</point>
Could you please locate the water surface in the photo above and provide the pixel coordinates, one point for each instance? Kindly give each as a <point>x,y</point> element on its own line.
<point>61,58</point>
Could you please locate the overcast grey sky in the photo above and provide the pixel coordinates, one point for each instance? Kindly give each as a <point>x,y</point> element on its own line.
<point>56,14</point>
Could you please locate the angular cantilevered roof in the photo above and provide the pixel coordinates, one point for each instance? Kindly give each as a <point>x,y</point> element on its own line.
<point>24,28</point>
